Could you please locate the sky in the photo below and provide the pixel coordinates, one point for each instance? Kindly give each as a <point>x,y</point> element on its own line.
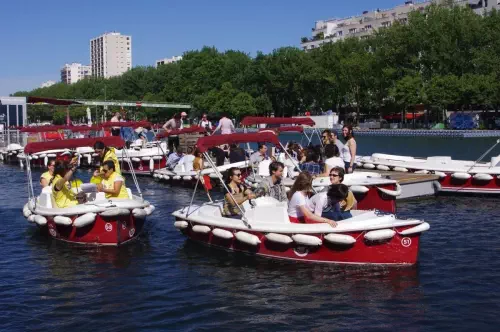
<point>38,37</point>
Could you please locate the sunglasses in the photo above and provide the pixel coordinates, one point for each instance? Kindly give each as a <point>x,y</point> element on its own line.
<point>106,170</point>
<point>334,175</point>
<point>238,175</point>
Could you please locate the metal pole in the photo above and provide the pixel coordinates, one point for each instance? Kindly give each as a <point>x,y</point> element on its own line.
<point>194,192</point>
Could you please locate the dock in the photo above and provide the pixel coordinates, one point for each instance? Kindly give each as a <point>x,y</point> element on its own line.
<point>413,185</point>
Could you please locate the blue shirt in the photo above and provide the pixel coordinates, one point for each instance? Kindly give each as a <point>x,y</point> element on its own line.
<point>312,168</point>
<point>173,159</point>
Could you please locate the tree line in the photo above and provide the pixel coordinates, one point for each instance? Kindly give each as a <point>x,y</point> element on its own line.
<point>444,58</point>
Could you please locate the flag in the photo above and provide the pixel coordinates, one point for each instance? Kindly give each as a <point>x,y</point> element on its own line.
<point>205,180</point>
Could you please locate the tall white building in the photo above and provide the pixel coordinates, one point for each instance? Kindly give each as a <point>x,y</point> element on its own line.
<point>72,73</point>
<point>168,60</point>
<point>110,54</point>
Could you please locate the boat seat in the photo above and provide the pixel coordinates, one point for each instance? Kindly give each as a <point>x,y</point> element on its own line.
<point>268,210</point>
<point>45,199</point>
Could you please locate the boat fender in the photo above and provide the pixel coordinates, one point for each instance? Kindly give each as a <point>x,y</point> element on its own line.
<point>156,175</point>
<point>196,177</point>
<point>149,209</point>
<point>417,229</point>
<point>21,163</point>
<point>40,220</point>
<point>146,158</point>
<point>247,238</point>
<point>151,164</point>
<point>340,239</point>
<point>359,164</point>
<point>440,174</point>
<point>1,156</point>
<point>307,240</point>
<point>176,177</point>
<point>45,160</point>
<point>437,186</point>
<point>84,220</point>
<point>181,224</point>
<point>393,193</point>
<point>26,211</point>
<point>222,233</point>
<point>359,189</point>
<point>30,158</point>
<point>482,177</point>
<point>461,176</point>
<point>187,178</point>
<point>62,220</point>
<point>139,213</point>
<point>34,157</point>
<point>201,229</point>
<point>279,238</point>
<point>400,169</point>
<point>157,158</point>
<point>368,166</point>
<point>89,158</point>
<point>136,159</point>
<point>380,235</point>
<point>115,212</point>
<point>213,176</point>
<point>383,167</point>
<point>422,171</point>
<point>51,155</point>
<point>32,218</point>
<point>166,177</point>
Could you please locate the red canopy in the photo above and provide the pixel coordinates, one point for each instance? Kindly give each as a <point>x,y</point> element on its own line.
<point>298,129</point>
<point>42,129</point>
<point>86,128</point>
<point>207,142</point>
<point>53,101</point>
<point>112,141</point>
<point>253,120</point>
<point>133,124</point>
<point>190,130</point>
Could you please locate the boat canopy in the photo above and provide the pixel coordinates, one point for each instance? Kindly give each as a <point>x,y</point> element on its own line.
<point>133,124</point>
<point>254,120</point>
<point>190,130</point>
<point>297,129</point>
<point>112,141</point>
<point>207,142</point>
<point>44,129</point>
<point>52,101</point>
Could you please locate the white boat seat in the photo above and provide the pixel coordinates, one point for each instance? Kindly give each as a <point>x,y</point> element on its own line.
<point>267,210</point>
<point>45,199</point>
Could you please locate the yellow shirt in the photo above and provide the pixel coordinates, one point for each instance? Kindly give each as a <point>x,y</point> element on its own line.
<point>110,155</point>
<point>64,198</point>
<point>46,176</point>
<point>110,184</point>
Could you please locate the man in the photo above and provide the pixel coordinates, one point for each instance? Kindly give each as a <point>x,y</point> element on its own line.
<point>225,125</point>
<point>173,159</point>
<point>173,124</point>
<point>330,137</point>
<point>115,131</point>
<point>272,184</point>
<point>258,156</point>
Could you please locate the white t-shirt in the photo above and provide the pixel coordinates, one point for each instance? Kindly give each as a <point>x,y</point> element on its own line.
<point>333,162</point>
<point>205,124</point>
<point>318,203</point>
<point>188,162</point>
<point>298,199</point>
<point>226,126</point>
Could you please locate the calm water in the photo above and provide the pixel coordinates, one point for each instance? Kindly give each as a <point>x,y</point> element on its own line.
<point>164,282</point>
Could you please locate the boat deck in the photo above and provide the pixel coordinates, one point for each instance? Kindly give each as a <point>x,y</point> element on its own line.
<point>413,185</point>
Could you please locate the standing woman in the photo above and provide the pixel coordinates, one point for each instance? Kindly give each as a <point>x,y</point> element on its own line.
<point>349,149</point>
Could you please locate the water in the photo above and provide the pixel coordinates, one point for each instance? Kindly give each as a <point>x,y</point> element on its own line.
<point>164,282</point>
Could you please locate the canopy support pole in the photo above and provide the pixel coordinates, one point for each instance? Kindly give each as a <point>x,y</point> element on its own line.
<point>192,197</point>
<point>131,167</point>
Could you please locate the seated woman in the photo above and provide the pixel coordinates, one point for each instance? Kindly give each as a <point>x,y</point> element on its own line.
<point>311,165</point>
<point>63,196</point>
<point>349,203</point>
<point>113,184</point>
<point>298,210</point>
<point>332,158</point>
<point>47,176</point>
<point>238,191</point>
<point>327,203</point>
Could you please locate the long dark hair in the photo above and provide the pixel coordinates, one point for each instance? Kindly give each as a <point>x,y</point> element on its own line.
<point>101,146</point>
<point>60,168</point>
<point>351,132</point>
<point>302,182</point>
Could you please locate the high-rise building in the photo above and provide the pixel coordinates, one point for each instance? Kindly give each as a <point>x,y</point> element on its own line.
<point>110,54</point>
<point>72,73</point>
<point>332,30</point>
<point>168,60</point>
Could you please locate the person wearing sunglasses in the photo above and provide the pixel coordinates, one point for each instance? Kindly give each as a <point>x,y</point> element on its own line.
<point>238,191</point>
<point>349,202</point>
<point>113,184</point>
<point>47,176</point>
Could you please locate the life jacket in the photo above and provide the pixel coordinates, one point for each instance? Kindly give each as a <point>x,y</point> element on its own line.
<point>110,183</point>
<point>64,198</point>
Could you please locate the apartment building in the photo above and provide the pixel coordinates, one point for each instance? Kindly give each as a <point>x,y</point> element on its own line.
<point>110,54</point>
<point>72,73</point>
<point>168,60</point>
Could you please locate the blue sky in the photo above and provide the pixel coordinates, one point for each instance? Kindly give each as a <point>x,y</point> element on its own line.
<point>38,37</point>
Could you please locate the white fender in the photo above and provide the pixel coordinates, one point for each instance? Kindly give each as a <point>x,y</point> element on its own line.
<point>437,186</point>
<point>34,157</point>
<point>482,177</point>
<point>380,235</point>
<point>62,220</point>
<point>151,164</point>
<point>368,166</point>
<point>146,158</point>
<point>181,224</point>
<point>30,157</point>
<point>51,155</point>
<point>422,171</point>
<point>157,158</point>
<point>393,193</point>
<point>440,174</point>
<point>196,177</point>
<point>136,159</point>
<point>400,169</point>
<point>139,213</point>
<point>84,220</point>
<point>32,218</point>
<point>115,212</point>
<point>126,159</point>
<point>307,240</point>
<point>340,239</point>
<point>213,176</point>
<point>359,164</point>
<point>26,211</point>
<point>176,177</point>
<point>461,176</point>
<point>417,229</point>
<point>383,167</point>
<point>222,233</point>
<point>279,238</point>
<point>40,220</point>
<point>201,229</point>
<point>1,156</point>
<point>156,175</point>
<point>21,163</point>
<point>45,161</point>
<point>187,178</point>
<point>166,177</point>
<point>89,158</point>
<point>247,238</point>
<point>149,209</point>
<point>359,189</point>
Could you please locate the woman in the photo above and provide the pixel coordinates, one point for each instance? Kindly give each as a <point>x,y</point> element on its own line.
<point>311,165</point>
<point>63,196</point>
<point>332,159</point>
<point>47,176</point>
<point>328,203</point>
<point>198,164</point>
<point>113,184</point>
<point>298,210</point>
<point>104,154</point>
<point>349,149</point>
<point>238,191</point>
